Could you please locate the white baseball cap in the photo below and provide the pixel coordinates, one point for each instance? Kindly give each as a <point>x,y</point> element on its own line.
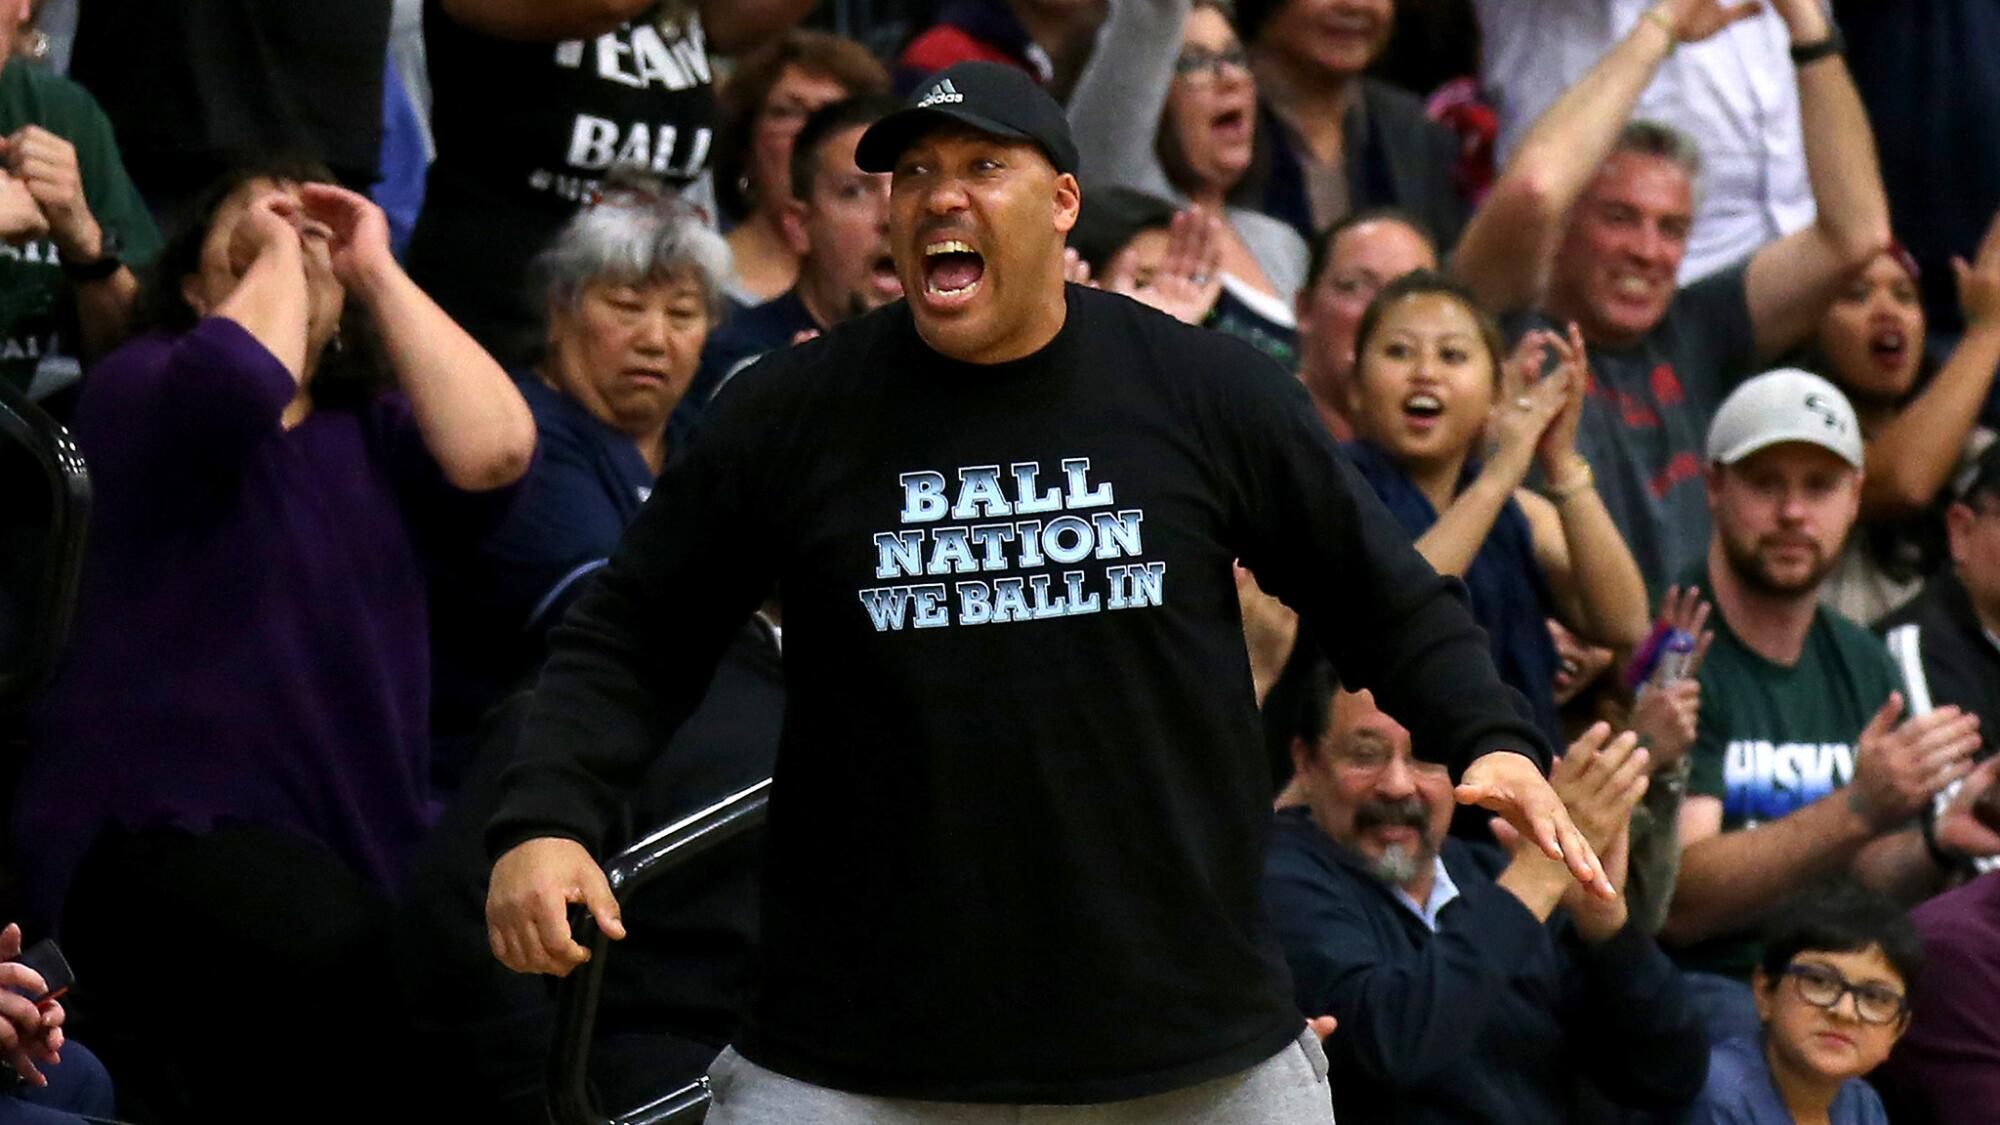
<point>1781,406</point>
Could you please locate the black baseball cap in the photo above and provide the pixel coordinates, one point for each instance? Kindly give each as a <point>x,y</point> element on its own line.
<point>991,97</point>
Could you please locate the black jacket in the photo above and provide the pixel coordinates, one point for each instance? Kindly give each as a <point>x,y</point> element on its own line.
<point>1945,656</point>
<point>1395,156</point>
<point>1493,1018</point>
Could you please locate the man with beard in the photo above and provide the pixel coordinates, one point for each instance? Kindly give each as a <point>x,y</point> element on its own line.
<point>838,223</point>
<point>1464,995</point>
<point>1020,804</point>
<point>1801,767</point>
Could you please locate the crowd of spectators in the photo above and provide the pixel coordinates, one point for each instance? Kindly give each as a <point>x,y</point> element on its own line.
<point>1671,331</point>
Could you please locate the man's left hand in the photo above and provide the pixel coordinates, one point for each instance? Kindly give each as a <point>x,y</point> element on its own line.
<point>1513,786</point>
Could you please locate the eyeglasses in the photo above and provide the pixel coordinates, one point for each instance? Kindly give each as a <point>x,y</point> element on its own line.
<point>1823,987</point>
<point>1198,64</point>
<point>1366,759</point>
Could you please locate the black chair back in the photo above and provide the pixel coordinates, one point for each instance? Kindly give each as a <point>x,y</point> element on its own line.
<point>44,510</point>
<point>570,1098</point>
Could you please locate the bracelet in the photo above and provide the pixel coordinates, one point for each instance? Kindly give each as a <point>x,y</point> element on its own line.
<point>1654,17</point>
<point>1835,43</point>
<point>1584,481</point>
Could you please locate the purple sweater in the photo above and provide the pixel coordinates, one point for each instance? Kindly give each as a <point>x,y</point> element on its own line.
<point>250,642</point>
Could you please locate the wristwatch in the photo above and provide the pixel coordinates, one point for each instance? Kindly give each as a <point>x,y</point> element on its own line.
<point>1835,43</point>
<point>106,263</point>
<point>1946,859</point>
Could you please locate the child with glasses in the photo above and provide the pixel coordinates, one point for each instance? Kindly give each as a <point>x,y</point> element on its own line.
<point>1833,995</point>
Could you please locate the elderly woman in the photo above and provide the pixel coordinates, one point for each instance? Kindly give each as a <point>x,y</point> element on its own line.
<point>631,288</point>
<point>231,772</point>
<point>1167,106</point>
<point>761,109</point>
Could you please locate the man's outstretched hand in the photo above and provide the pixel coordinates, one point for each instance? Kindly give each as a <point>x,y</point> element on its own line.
<point>1512,785</point>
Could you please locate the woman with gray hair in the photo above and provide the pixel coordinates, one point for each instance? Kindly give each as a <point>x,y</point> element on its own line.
<point>630,290</point>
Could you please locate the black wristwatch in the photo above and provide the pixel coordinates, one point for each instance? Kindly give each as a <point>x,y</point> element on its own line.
<point>1946,860</point>
<point>1835,43</point>
<point>106,263</point>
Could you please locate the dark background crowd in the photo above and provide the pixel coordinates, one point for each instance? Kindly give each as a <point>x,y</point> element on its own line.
<point>1669,327</point>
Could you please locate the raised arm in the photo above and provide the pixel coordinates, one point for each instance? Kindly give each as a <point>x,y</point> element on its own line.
<point>1507,250</point>
<point>1792,280</point>
<point>474,421</point>
<point>1911,458</point>
<point>270,300</point>
<point>1521,414</point>
<point>1591,573</point>
<point>1114,112</point>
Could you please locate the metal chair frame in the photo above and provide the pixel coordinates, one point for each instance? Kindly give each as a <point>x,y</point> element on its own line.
<point>24,425</point>
<point>570,1101</point>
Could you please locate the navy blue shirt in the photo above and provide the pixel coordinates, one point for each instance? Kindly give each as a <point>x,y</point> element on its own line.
<point>1510,594</point>
<point>492,607</point>
<point>745,335</point>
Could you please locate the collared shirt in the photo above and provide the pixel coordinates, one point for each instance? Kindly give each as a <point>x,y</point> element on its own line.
<point>1736,92</point>
<point>1443,890</point>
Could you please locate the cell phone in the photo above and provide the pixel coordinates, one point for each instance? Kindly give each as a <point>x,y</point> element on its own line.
<point>46,958</point>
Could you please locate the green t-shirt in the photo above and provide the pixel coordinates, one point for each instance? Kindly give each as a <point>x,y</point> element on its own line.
<point>37,320</point>
<point>1772,739</point>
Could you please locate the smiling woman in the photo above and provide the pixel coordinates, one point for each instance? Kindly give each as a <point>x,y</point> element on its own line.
<point>1167,106</point>
<point>1430,383</point>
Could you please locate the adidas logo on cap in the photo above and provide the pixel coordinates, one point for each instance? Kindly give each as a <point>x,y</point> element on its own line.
<point>942,92</point>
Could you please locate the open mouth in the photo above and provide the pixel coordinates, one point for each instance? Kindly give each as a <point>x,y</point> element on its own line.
<point>1232,122</point>
<point>1888,347</point>
<point>1423,406</point>
<point>952,269</point>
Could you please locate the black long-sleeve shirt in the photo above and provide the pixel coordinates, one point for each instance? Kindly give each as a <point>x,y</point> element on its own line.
<point>1491,1019</point>
<point>1015,844</point>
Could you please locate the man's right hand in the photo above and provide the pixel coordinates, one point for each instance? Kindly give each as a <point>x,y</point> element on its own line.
<point>528,900</point>
<point>1898,768</point>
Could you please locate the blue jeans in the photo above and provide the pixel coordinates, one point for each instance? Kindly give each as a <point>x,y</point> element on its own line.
<point>78,1084</point>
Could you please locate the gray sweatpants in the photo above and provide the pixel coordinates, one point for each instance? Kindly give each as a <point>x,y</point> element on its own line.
<point>1289,1088</point>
